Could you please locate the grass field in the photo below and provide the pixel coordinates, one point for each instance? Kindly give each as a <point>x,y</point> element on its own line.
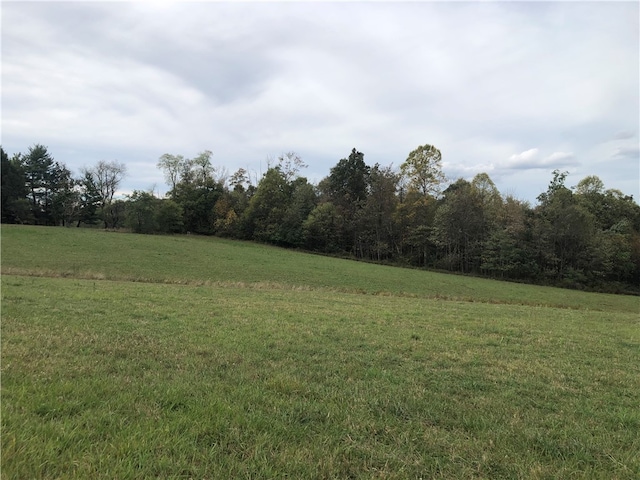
<point>127,356</point>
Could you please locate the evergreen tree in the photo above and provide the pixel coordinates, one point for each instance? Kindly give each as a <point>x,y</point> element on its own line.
<point>14,203</point>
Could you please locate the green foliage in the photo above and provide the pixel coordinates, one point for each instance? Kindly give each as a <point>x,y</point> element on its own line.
<point>116,213</point>
<point>556,189</point>
<point>582,237</point>
<point>195,191</point>
<point>423,170</point>
<point>106,177</point>
<point>47,182</point>
<point>197,203</point>
<point>267,208</point>
<point>278,209</point>
<point>564,230</point>
<point>142,212</point>
<point>15,207</point>
<point>414,218</point>
<point>169,216</point>
<point>201,260</point>
<point>458,227</point>
<point>202,168</point>
<point>89,200</point>
<point>505,256</point>
<point>346,188</point>
<point>301,204</point>
<point>378,231</point>
<point>172,166</point>
<point>147,214</point>
<point>507,252</point>
<point>38,166</point>
<point>347,182</point>
<point>65,198</point>
<point>322,227</point>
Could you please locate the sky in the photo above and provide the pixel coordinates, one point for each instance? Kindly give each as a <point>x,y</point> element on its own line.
<point>512,89</point>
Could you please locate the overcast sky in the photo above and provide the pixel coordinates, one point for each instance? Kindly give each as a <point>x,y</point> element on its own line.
<point>512,89</point>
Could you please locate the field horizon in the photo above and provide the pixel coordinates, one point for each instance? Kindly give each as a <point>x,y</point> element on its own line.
<point>136,356</point>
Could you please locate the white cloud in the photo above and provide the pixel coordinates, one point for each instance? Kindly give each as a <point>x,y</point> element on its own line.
<point>557,158</point>
<point>630,151</point>
<point>531,159</point>
<point>524,157</point>
<point>481,81</point>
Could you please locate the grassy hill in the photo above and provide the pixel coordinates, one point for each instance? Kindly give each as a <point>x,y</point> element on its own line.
<point>127,356</point>
<point>96,254</point>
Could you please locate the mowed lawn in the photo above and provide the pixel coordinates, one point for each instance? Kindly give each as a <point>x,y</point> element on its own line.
<point>214,363</point>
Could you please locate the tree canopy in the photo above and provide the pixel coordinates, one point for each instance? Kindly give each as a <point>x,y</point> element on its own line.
<point>585,236</point>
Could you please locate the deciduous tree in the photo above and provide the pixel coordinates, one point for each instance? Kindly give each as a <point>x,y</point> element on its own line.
<point>347,188</point>
<point>423,170</point>
<point>106,177</point>
<point>172,166</point>
<point>290,165</point>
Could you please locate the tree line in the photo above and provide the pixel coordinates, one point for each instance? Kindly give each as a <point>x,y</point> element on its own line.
<point>580,237</point>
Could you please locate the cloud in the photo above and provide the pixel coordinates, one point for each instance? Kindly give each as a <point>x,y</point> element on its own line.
<point>627,152</point>
<point>624,135</point>
<point>560,158</point>
<point>530,159</point>
<point>525,157</point>
<point>459,170</point>
<point>133,80</point>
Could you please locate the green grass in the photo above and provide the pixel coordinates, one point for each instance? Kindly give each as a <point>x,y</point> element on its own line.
<point>96,254</point>
<point>223,365</point>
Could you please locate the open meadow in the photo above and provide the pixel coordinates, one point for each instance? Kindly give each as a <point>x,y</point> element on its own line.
<point>131,356</point>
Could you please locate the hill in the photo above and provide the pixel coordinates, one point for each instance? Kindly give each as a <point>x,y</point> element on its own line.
<point>127,356</point>
<point>187,259</point>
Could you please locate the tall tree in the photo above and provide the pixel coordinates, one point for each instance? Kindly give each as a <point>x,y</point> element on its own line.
<point>202,167</point>
<point>142,212</point>
<point>458,227</point>
<point>65,197</point>
<point>172,167</point>
<point>197,193</point>
<point>14,203</point>
<point>421,179</point>
<point>423,170</point>
<point>347,188</point>
<point>487,192</point>
<point>107,176</point>
<point>229,208</point>
<point>290,165</point>
<point>508,252</point>
<point>38,166</point>
<point>490,201</point>
<point>263,218</point>
<point>240,180</point>
<point>615,256</point>
<point>301,203</point>
<point>564,229</point>
<point>89,200</point>
<point>348,180</point>
<point>414,216</point>
<point>377,216</point>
